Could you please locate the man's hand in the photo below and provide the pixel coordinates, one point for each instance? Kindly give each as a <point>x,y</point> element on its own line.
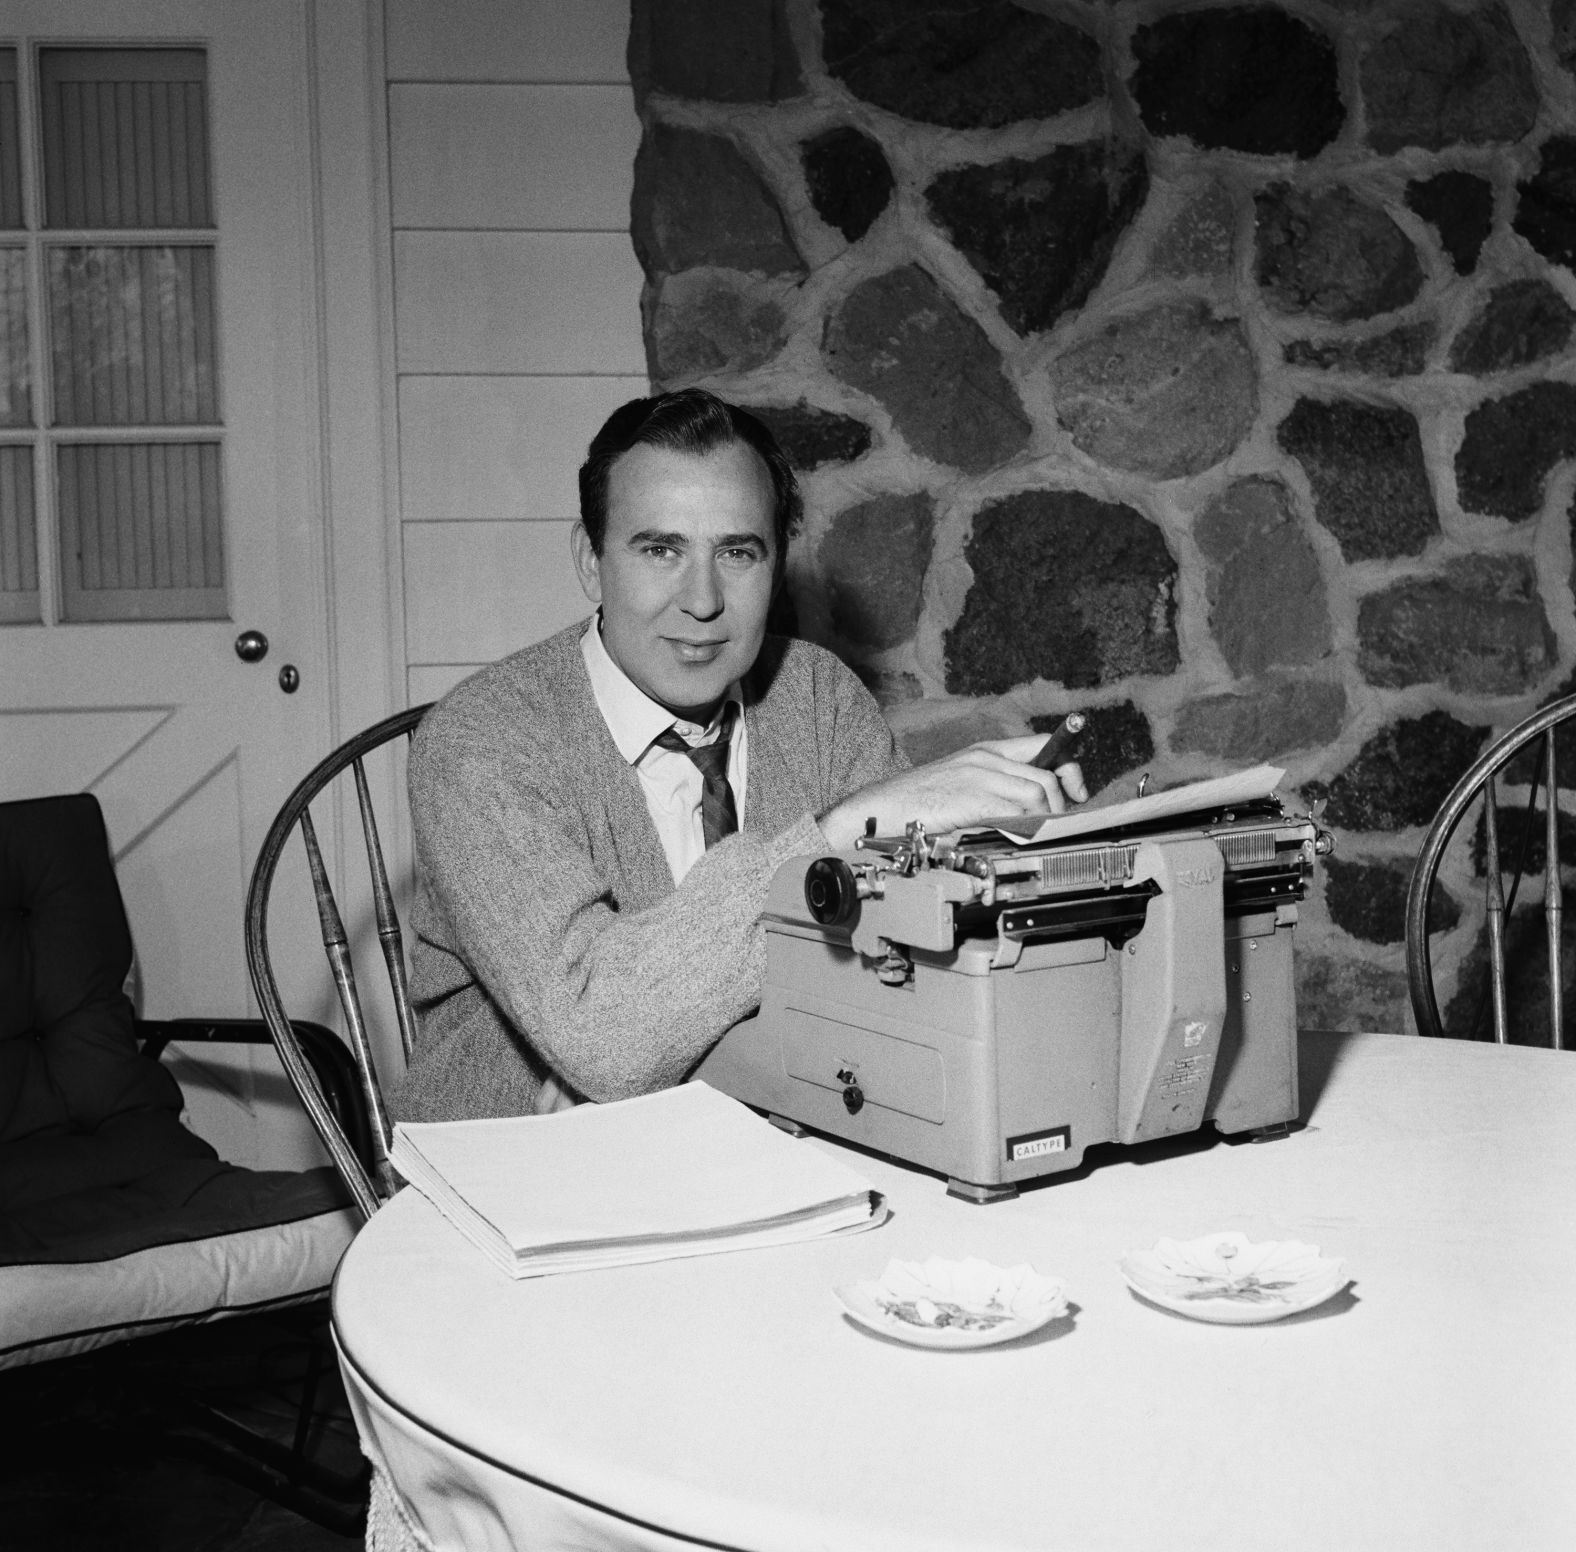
<point>985,781</point>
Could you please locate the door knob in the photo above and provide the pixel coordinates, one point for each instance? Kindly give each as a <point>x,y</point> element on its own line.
<point>251,646</point>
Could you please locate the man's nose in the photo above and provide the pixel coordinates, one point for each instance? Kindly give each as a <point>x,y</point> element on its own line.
<point>702,594</point>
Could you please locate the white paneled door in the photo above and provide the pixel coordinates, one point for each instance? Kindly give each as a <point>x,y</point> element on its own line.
<point>162,430</point>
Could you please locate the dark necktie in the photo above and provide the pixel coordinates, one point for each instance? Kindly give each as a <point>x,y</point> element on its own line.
<point>717,816</point>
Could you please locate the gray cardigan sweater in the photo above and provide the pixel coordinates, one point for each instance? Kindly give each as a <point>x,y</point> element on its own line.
<point>549,936</point>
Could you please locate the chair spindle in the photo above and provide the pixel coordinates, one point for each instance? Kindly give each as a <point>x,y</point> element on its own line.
<point>337,947</point>
<point>1496,908</point>
<point>388,918</point>
<point>1553,896</point>
<point>1475,783</point>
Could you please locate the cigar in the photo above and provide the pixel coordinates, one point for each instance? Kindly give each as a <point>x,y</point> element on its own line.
<point>1053,751</point>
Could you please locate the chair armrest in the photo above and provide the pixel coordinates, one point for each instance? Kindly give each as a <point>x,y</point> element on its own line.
<point>331,1063</point>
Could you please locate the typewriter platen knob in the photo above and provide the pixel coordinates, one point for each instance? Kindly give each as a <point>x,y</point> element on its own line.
<point>831,893</point>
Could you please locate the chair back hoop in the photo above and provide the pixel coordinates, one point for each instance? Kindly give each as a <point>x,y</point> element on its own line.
<point>1478,781</point>
<point>373,1180</point>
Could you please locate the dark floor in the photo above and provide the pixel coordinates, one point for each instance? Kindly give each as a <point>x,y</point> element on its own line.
<point>114,1449</point>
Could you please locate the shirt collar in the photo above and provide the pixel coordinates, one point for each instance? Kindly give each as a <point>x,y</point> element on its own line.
<point>632,717</point>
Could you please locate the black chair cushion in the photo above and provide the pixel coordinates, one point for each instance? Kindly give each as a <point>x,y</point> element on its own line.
<point>176,1190</point>
<point>68,1060</point>
<point>95,1166</point>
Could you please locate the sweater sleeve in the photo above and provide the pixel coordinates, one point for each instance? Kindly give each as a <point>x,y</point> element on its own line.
<point>616,1001</point>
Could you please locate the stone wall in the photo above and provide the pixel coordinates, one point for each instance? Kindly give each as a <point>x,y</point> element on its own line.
<point>1209,369</point>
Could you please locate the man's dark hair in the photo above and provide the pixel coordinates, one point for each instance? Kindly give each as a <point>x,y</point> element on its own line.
<point>689,420</point>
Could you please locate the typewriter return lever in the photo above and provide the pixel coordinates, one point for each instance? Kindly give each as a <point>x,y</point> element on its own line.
<point>886,901</point>
<point>833,890</point>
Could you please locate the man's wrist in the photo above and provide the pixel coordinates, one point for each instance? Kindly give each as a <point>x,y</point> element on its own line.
<point>805,838</point>
<point>842,825</point>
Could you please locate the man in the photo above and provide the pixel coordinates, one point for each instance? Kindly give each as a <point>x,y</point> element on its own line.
<point>588,923</point>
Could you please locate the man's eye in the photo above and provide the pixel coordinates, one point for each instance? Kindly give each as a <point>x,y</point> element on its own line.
<point>658,551</point>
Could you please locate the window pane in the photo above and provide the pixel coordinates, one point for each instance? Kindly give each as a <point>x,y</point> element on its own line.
<point>18,536</point>
<point>140,531</point>
<point>16,398</point>
<point>10,146</point>
<point>125,137</point>
<point>132,336</point>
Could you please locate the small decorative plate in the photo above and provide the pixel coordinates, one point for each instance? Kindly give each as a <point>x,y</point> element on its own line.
<point>1226,1279</point>
<point>938,1303</point>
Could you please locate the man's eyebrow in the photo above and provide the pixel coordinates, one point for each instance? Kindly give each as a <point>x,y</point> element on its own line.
<point>653,536</point>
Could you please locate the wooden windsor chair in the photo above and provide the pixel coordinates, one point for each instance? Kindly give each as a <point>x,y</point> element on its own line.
<point>363,1162</point>
<point>1512,760</point>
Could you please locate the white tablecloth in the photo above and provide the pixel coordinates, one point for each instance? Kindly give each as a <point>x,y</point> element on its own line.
<point>726,1401</point>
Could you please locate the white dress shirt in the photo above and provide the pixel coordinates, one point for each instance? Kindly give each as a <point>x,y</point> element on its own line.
<point>672,782</point>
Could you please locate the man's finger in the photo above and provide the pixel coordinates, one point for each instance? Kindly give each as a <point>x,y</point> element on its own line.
<point>1067,784</point>
<point>1009,788</point>
<point>1020,750</point>
<point>1052,797</point>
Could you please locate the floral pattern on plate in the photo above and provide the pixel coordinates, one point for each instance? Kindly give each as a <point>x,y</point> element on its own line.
<point>970,1303</point>
<point>1227,1279</point>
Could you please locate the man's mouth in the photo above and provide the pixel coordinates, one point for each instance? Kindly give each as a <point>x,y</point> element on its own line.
<point>696,651</point>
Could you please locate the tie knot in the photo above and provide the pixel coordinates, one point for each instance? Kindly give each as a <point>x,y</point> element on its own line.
<point>712,758</point>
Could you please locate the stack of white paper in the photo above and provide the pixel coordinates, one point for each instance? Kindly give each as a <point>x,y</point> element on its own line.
<point>683,1172</point>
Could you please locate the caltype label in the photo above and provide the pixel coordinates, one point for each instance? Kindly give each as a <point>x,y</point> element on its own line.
<point>1035,1145</point>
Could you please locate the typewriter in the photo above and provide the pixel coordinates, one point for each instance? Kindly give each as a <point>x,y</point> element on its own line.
<point>987,1005</point>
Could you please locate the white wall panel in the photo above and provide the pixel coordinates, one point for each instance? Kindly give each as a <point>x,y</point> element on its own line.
<point>476,591</point>
<point>507,40</point>
<point>517,302</point>
<point>474,448</point>
<point>512,136</point>
<point>541,157</point>
<point>432,681</point>
<point>67,748</point>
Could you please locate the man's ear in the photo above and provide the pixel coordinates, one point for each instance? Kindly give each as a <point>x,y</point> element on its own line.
<point>588,567</point>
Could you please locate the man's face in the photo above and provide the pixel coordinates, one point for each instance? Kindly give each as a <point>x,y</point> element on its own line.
<point>686,571</point>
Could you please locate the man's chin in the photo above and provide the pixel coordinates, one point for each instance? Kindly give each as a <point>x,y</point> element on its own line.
<point>693,698</point>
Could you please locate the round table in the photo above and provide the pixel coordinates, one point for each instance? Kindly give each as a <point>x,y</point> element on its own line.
<point>725,1401</point>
